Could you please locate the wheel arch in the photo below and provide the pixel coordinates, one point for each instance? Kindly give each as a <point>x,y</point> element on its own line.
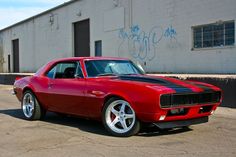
<point>23,90</point>
<point>116,96</point>
<point>27,88</point>
<point>108,97</point>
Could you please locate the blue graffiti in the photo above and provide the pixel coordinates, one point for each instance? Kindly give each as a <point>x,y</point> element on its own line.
<point>135,29</point>
<point>170,32</point>
<point>143,45</point>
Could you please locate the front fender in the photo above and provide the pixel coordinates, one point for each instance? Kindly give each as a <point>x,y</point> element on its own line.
<point>142,99</point>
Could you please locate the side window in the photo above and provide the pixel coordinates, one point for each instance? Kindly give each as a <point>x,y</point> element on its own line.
<point>51,73</point>
<point>65,70</point>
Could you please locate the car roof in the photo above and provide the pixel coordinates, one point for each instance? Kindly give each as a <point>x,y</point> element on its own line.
<point>88,58</point>
<point>42,70</point>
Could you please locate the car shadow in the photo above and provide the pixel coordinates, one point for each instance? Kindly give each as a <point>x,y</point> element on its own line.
<point>86,125</point>
<point>16,113</point>
<point>92,126</point>
<point>155,131</point>
<point>82,124</point>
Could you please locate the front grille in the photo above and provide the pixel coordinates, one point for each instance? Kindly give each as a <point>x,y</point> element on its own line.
<point>173,100</point>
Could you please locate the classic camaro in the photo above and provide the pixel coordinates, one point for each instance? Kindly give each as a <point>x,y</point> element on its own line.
<point>117,92</point>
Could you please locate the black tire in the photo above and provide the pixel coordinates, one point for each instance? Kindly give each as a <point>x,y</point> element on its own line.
<point>38,112</point>
<point>134,129</point>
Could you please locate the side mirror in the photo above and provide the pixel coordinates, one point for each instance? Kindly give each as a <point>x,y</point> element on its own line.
<point>140,67</point>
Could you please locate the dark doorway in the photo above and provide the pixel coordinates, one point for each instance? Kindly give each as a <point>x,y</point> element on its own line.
<point>82,38</point>
<point>98,48</point>
<point>9,63</point>
<point>16,64</point>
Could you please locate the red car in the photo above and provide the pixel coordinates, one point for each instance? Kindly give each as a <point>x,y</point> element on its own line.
<point>116,91</point>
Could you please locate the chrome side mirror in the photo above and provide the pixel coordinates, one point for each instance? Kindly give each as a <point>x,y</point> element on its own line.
<point>140,67</point>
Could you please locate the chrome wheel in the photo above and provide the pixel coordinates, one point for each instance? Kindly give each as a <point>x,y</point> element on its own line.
<point>28,105</point>
<point>120,117</point>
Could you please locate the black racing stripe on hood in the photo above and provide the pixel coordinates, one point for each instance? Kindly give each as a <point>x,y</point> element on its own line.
<point>205,88</point>
<point>176,87</point>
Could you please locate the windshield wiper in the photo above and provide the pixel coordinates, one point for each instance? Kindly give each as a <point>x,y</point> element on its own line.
<point>130,74</point>
<point>108,74</point>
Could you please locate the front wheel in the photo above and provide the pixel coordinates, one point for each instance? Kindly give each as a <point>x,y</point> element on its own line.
<point>119,118</point>
<point>31,107</point>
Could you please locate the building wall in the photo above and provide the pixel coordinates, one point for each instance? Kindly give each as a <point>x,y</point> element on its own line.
<point>1,54</point>
<point>157,33</point>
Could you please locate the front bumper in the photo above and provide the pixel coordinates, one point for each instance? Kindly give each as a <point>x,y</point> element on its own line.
<point>190,112</point>
<point>181,123</point>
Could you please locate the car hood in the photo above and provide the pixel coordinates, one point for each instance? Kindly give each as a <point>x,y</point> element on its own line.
<point>179,86</point>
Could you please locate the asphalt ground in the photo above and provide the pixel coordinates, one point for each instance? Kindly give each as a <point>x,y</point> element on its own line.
<point>67,136</point>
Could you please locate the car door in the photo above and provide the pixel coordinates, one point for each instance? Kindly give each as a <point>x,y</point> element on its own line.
<point>66,89</point>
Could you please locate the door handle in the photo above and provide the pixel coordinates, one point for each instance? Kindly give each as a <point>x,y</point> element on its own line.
<point>96,93</point>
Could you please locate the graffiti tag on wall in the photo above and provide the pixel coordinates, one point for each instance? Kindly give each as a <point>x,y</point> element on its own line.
<point>170,32</point>
<point>143,45</point>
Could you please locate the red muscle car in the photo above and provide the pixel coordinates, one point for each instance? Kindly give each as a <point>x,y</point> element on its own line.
<point>117,92</point>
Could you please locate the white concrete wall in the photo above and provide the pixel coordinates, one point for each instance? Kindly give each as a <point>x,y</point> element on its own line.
<point>158,52</point>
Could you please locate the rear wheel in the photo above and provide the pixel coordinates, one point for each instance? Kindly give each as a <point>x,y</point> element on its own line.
<point>119,118</point>
<point>31,107</point>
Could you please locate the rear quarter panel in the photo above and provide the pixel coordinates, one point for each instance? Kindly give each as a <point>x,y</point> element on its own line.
<point>38,85</point>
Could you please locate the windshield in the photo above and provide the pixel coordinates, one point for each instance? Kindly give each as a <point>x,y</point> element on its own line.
<point>111,67</point>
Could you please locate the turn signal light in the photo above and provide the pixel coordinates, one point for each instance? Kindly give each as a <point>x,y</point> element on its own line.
<point>162,117</point>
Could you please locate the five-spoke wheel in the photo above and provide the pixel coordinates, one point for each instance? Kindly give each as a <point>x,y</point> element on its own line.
<point>28,105</point>
<point>119,118</point>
